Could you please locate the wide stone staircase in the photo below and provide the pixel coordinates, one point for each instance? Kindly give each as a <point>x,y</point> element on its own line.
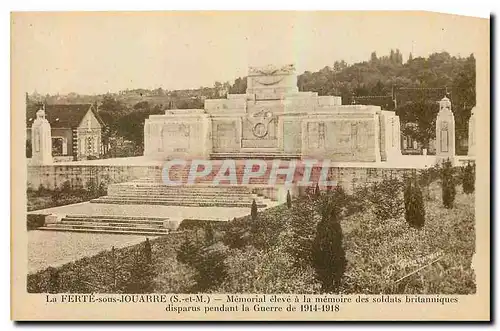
<point>135,225</point>
<point>152,191</point>
<point>148,191</point>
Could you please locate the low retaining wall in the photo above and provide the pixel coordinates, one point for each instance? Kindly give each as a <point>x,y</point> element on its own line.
<point>348,178</point>
<point>83,176</point>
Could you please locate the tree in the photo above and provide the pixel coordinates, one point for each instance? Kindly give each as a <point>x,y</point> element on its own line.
<point>414,204</point>
<point>468,178</point>
<point>111,109</point>
<point>317,191</point>
<point>427,176</point>
<point>303,218</point>
<point>328,255</point>
<point>448,184</point>
<point>239,86</point>
<point>210,267</point>
<point>141,279</point>
<point>288,200</point>
<point>464,95</point>
<point>188,252</point>
<point>254,210</point>
<point>131,126</point>
<point>386,198</point>
<point>423,113</point>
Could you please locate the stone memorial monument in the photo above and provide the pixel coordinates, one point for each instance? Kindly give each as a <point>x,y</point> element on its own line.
<point>445,130</point>
<point>41,140</point>
<point>274,120</point>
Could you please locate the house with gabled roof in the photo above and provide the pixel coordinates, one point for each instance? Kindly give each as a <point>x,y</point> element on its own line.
<point>77,130</point>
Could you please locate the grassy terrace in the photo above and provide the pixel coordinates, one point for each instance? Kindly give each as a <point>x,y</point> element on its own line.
<point>259,256</point>
<point>42,199</point>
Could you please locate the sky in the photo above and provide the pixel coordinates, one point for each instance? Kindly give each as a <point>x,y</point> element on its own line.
<point>93,53</point>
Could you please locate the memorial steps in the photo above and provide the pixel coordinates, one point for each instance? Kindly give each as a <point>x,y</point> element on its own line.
<point>251,155</point>
<point>153,193</point>
<point>151,190</point>
<point>112,224</point>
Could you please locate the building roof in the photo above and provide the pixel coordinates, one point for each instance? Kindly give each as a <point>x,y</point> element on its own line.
<point>62,116</point>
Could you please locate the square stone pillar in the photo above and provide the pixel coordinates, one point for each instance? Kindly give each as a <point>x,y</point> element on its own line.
<point>472,133</point>
<point>41,140</point>
<point>390,136</point>
<point>445,130</point>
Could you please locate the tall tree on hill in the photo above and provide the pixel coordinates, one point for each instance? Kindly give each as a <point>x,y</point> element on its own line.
<point>111,109</point>
<point>131,127</point>
<point>468,178</point>
<point>422,113</point>
<point>464,94</point>
<point>414,203</point>
<point>253,211</point>
<point>328,255</point>
<point>239,86</point>
<point>448,184</point>
<point>288,200</point>
<point>317,191</point>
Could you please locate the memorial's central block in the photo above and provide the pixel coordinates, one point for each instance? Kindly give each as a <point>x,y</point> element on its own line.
<point>273,119</point>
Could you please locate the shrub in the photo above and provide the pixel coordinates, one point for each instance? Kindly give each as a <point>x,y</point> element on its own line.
<point>357,201</point>
<point>427,176</point>
<point>386,199</point>
<point>414,204</point>
<point>468,178</point>
<point>303,221</point>
<point>209,234</point>
<point>102,189</point>
<point>317,191</point>
<point>194,224</point>
<point>66,186</point>
<point>236,234</point>
<point>34,221</point>
<point>141,278</point>
<point>41,190</point>
<point>328,255</point>
<point>92,187</point>
<point>210,267</point>
<point>188,252</point>
<point>253,211</point>
<point>448,184</point>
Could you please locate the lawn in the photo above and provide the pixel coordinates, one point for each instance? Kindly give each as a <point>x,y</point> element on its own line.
<point>379,254</point>
<point>259,256</point>
<point>43,199</point>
